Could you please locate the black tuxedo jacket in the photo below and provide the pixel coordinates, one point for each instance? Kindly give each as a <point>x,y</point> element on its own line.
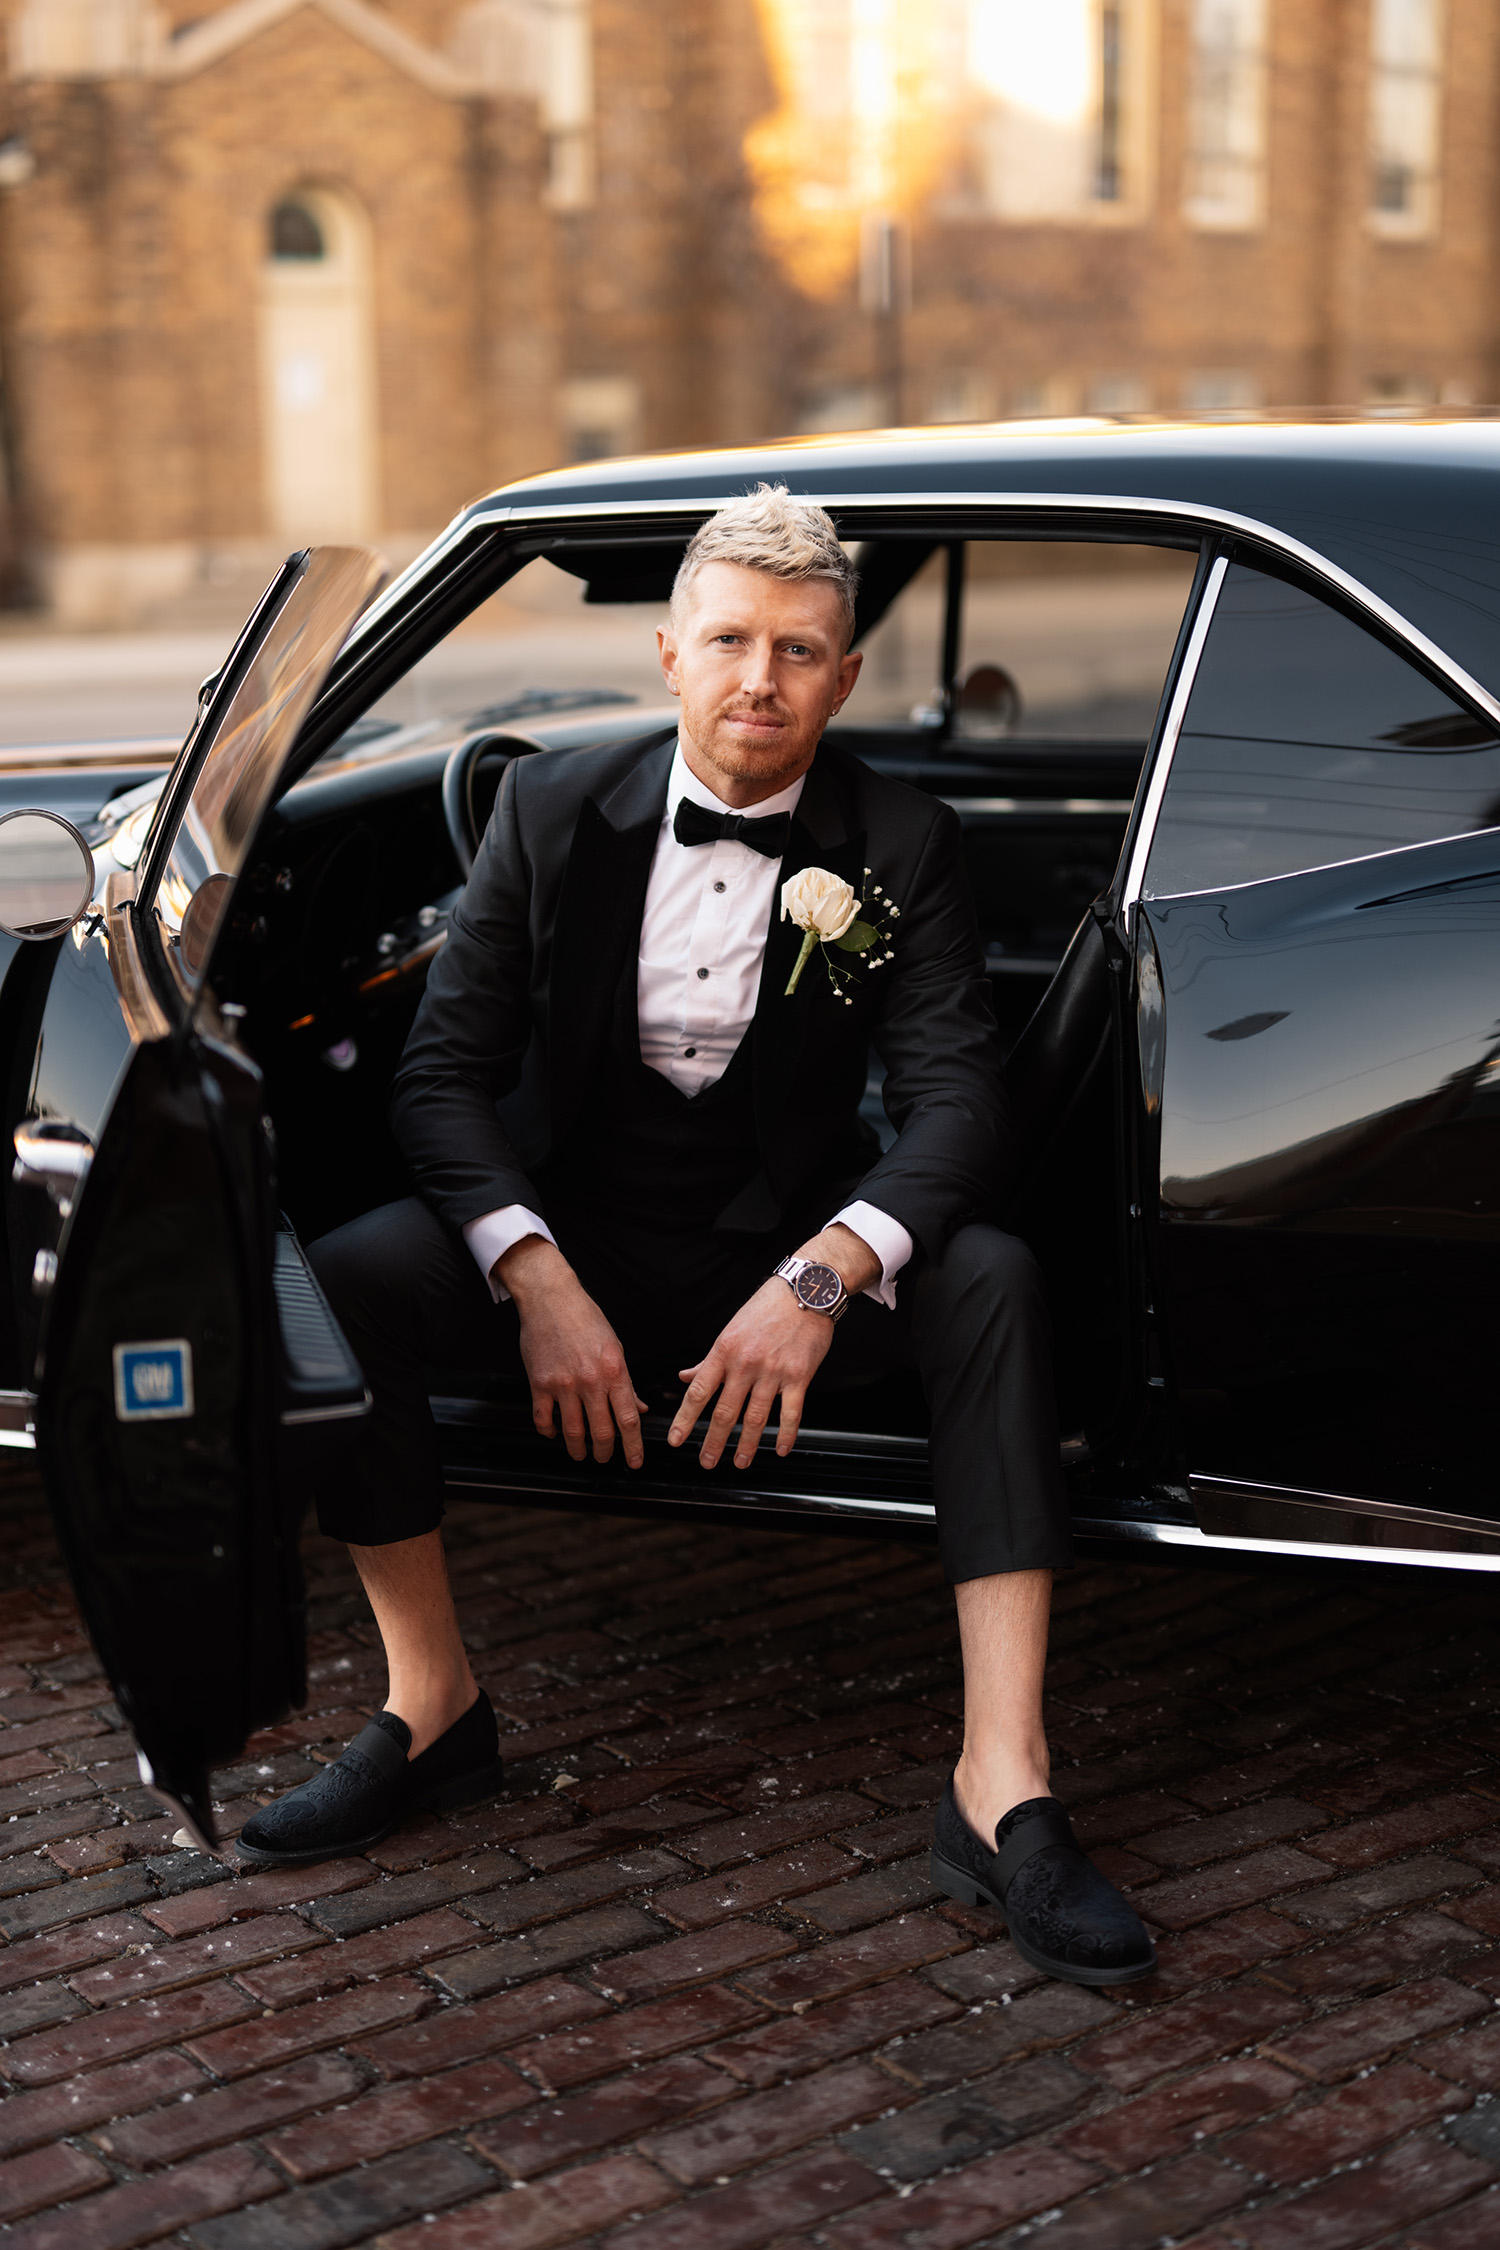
<point>525,986</point>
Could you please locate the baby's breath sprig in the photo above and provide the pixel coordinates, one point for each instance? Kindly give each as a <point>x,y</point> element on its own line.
<point>866,936</point>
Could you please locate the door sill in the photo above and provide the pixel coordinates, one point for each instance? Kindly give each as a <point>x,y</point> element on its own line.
<point>1231,1507</point>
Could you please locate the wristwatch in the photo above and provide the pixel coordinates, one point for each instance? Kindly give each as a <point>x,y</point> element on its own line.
<point>816,1288</point>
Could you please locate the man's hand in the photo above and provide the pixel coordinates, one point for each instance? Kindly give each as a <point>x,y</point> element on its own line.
<point>772,1348</point>
<point>572,1356</point>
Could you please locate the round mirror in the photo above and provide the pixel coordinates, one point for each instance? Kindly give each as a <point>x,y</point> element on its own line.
<point>46,874</point>
<point>989,702</point>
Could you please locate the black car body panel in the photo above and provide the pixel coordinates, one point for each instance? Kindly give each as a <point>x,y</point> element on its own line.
<point>1244,963</point>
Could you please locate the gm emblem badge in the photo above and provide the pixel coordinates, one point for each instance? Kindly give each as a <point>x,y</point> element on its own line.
<point>154,1382</point>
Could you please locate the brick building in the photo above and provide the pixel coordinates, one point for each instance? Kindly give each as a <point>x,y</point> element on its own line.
<point>301,268</point>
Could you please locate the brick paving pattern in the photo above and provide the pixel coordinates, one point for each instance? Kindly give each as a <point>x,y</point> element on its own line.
<point>686,1987</point>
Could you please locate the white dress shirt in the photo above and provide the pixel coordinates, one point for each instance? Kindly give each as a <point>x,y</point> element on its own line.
<point>703,937</point>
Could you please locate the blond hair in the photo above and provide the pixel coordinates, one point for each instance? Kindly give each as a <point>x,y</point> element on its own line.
<point>768,530</point>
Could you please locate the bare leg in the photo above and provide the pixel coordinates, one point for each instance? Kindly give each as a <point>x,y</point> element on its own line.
<point>1002,1625</point>
<point>430,1681</point>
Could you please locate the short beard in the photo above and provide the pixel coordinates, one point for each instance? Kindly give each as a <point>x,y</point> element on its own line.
<point>773,769</point>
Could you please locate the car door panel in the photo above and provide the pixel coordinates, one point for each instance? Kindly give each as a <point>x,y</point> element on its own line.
<point>171,1522</point>
<point>169,1399</point>
<point>1330,1170</point>
<point>1319,1053</point>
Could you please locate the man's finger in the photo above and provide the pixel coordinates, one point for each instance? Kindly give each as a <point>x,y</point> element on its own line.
<point>572,1424</point>
<point>757,1414</point>
<point>541,1412</point>
<point>601,1423</point>
<point>793,1400</point>
<point>706,1380</point>
<point>731,1402</point>
<point>625,1403</point>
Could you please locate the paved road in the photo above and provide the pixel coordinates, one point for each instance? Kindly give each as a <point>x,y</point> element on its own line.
<point>686,1985</point>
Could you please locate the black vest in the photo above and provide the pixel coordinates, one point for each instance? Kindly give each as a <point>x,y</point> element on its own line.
<point>641,1146</point>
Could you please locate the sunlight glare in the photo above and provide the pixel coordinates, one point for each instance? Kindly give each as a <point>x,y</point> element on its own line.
<point>1036,55</point>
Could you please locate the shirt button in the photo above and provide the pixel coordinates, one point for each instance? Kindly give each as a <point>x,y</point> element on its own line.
<point>689,1052</point>
<point>703,972</point>
<point>718,886</point>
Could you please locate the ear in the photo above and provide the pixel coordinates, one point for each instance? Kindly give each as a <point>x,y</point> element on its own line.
<point>849,670</point>
<point>666,649</point>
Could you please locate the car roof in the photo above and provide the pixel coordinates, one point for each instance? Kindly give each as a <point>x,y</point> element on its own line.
<point>1406,507</point>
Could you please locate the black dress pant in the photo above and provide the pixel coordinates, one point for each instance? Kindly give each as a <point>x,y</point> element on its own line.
<point>972,1323</point>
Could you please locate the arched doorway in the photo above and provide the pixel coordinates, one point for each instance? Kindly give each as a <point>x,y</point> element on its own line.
<point>317,368</point>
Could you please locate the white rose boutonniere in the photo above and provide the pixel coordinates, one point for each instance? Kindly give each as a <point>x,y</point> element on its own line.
<point>825,909</point>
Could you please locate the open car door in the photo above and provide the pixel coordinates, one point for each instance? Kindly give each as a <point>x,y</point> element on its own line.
<point>1318,978</point>
<point>185,1342</point>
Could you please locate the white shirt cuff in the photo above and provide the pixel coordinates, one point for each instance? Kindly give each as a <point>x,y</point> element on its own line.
<point>889,1240</point>
<point>496,1232</point>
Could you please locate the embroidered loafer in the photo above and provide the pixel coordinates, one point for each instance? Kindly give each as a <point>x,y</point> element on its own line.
<point>1064,1916</point>
<point>367,1792</point>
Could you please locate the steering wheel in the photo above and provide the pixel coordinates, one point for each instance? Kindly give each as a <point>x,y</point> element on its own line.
<point>471,783</point>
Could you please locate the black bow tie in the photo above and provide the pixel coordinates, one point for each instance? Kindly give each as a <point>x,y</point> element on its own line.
<point>693,824</point>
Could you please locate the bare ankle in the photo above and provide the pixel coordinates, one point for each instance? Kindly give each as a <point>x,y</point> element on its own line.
<point>986,1789</point>
<point>429,1708</point>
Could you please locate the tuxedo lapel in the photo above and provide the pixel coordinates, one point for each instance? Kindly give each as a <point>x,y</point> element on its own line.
<point>598,915</point>
<point>789,1031</point>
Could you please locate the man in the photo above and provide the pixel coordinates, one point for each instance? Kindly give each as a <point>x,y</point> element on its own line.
<point>680,1065</point>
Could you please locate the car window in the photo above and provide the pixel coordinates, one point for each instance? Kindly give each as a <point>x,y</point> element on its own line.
<point>205,845</point>
<point>535,650</point>
<point>1062,640</point>
<point>1308,740</point>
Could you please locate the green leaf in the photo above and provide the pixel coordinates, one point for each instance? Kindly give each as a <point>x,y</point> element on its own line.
<point>858,938</point>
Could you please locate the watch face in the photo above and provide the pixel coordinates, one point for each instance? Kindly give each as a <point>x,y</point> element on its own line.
<point>819,1288</point>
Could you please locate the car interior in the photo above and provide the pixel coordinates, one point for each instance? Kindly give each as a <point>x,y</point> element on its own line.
<point>1019,679</point>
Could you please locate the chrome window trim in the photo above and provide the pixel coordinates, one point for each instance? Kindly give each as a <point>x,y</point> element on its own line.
<point>1324,866</point>
<point>1051,807</point>
<point>1156,787</point>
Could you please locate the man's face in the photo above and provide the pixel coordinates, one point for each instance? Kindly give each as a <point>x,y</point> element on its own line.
<point>760,666</point>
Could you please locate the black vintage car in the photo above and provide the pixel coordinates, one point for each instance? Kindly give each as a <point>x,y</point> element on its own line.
<point>1239,881</point>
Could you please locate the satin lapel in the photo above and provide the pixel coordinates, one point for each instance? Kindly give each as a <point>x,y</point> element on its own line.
<point>787,1030</point>
<point>598,914</point>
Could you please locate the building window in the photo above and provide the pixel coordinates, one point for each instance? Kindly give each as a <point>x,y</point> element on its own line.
<point>1220,390</point>
<point>1109,178</point>
<point>1117,392</point>
<point>1406,68</point>
<point>1226,148</point>
<point>968,394</point>
<point>601,416</point>
<point>295,232</point>
<point>1059,96</point>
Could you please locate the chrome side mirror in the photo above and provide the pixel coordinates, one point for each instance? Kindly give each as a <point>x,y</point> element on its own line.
<point>46,874</point>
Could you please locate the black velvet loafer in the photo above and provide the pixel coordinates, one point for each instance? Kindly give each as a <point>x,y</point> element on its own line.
<point>358,1800</point>
<point>1063,1915</point>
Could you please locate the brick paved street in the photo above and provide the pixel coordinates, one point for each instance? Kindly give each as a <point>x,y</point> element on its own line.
<point>686,1987</point>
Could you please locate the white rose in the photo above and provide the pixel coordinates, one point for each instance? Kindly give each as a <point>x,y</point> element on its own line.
<point>819,902</point>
